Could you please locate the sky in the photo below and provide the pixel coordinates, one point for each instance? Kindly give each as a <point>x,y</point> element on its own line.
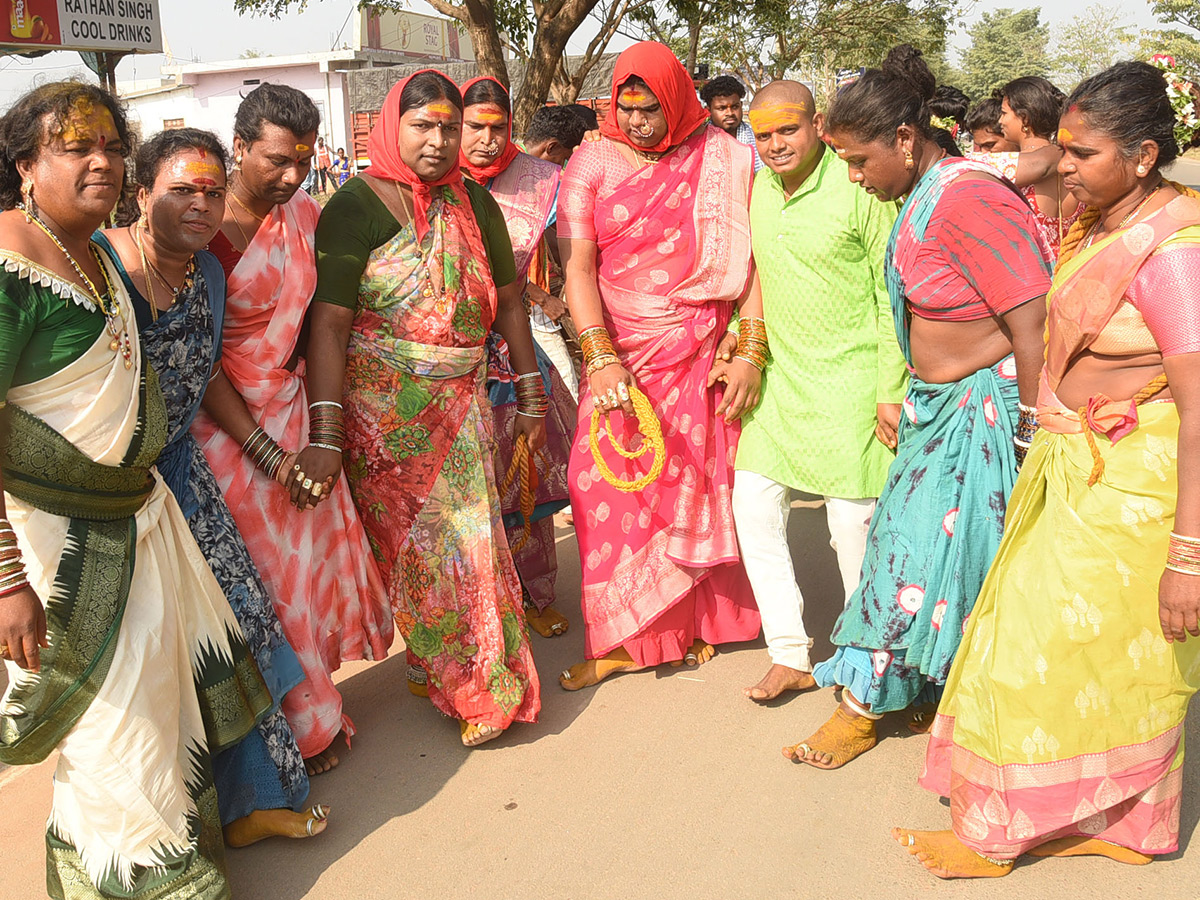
<point>210,30</point>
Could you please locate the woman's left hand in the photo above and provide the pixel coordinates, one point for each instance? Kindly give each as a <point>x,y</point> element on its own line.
<point>743,387</point>
<point>1179,605</point>
<point>533,429</point>
<point>727,347</point>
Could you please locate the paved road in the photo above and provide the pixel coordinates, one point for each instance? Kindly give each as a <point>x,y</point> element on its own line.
<point>1186,171</point>
<point>655,785</point>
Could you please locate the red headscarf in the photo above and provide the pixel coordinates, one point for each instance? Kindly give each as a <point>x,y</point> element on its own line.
<point>462,247</point>
<point>656,65</point>
<point>511,151</point>
<point>383,146</point>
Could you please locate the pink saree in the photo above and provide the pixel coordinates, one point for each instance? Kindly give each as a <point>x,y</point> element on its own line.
<point>661,567</point>
<point>317,564</point>
<point>525,192</point>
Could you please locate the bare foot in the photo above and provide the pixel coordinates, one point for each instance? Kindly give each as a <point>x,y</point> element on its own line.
<point>779,679</point>
<point>844,737</point>
<point>946,856</point>
<point>920,718</point>
<point>1085,846</point>
<point>324,761</point>
<point>594,671</point>
<point>548,623</point>
<point>265,823</point>
<point>474,735</point>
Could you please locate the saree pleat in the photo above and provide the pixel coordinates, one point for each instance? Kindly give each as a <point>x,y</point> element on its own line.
<point>419,461</point>
<point>1074,631</point>
<point>134,813</point>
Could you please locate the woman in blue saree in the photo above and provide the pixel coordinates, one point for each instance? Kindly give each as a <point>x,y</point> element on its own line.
<point>178,293</point>
<point>966,273</point>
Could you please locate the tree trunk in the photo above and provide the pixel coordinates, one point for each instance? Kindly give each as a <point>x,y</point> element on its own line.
<point>693,45</point>
<point>485,39</point>
<point>555,26</point>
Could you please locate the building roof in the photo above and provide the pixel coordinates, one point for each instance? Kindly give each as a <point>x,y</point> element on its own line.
<point>327,60</point>
<point>369,87</point>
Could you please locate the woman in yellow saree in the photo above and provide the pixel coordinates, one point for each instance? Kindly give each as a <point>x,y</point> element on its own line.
<point>1060,732</point>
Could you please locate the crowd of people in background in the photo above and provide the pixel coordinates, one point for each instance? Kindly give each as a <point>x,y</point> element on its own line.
<point>246,436</point>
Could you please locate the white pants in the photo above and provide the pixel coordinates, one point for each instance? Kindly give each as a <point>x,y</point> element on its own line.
<point>760,511</point>
<point>555,346</point>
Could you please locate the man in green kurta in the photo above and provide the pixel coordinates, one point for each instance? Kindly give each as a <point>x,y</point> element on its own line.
<point>830,405</point>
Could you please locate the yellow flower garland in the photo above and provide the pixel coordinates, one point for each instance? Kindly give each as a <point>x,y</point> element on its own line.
<point>651,431</point>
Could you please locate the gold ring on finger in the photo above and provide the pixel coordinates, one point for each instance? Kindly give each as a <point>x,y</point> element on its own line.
<point>317,489</point>
<point>307,483</point>
<point>296,467</point>
<point>623,391</point>
<point>4,652</point>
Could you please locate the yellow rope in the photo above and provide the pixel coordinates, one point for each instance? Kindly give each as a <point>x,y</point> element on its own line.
<point>522,467</point>
<point>652,436</point>
<point>1153,387</point>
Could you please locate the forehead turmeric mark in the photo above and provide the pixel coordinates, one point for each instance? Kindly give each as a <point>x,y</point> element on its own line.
<point>302,148</point>
<point>87,122</point>
<point>489,115</point>
<point>199,172</point>
<point>633,95</point>
<point>1064,135</point>
<point>441,109</point>
<point>774,116</point>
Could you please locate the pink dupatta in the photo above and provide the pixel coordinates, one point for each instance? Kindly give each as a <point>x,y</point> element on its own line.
<point>1088,288</point>
<point>317,565</point>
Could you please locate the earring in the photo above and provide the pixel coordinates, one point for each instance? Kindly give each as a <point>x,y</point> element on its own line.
<point>27,200</point>
<point>237,164</point>
<point>1141,170</point>
<point>908,159</point>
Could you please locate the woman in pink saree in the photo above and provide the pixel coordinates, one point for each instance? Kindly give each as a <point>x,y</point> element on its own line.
<point>309,545</point>
<point>654,230</point>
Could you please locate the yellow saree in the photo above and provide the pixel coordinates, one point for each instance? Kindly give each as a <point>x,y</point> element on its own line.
<point>1063,714</point>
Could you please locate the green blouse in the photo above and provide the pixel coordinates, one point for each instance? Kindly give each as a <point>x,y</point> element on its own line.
<point>43,325</point>
<point>355,222</point>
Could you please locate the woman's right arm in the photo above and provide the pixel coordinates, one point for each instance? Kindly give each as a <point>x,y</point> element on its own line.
<point>22,618</point>
<point>343,245</point>
<point>577,245</point>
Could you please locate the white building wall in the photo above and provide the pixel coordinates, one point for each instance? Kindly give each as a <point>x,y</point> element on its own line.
<point>210,100</point>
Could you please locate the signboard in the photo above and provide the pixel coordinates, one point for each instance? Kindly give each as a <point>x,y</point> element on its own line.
<point>96,25</point>
<point>418,36</point>
<point>849,76</point>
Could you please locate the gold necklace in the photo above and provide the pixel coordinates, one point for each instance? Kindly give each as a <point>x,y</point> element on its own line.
<point>120,342</point>
<point>149,267</point>
<point>249,211</point>
<point>412,216</point>
<point>648,158</point>
<point>241,230</point>
<point>1125,221</point>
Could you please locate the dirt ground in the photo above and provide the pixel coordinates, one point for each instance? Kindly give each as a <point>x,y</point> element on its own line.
<point>663,785</point>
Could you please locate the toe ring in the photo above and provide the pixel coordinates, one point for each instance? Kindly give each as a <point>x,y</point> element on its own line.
<point>911,840</point>
<point>309,825</point>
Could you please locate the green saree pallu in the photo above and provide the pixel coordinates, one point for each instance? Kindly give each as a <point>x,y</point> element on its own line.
<point>147,673</point>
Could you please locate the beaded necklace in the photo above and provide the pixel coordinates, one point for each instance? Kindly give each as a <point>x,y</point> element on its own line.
<point>112,311</point>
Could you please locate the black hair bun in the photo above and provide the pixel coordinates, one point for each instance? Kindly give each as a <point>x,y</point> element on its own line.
<point>907,62</point>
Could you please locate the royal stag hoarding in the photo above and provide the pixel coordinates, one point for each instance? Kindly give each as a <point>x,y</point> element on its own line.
<point>96,25</point>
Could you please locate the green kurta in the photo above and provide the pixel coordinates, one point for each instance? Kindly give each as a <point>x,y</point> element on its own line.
<point>834,354</point>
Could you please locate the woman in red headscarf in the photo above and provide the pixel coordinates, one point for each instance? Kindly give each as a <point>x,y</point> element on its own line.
<point>414,266</point>
<point>525,188</point>
<point>653,225</point>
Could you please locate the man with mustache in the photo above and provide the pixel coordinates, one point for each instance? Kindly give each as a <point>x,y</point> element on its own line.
<point>831,393</point>
<point>723,97</point>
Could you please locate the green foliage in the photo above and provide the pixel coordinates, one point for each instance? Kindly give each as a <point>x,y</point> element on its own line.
<point>1089,43</point>
<point>1005,44</point>
<point>1178,12</point>
<point>1182,46</point>
<point>762,40</point>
